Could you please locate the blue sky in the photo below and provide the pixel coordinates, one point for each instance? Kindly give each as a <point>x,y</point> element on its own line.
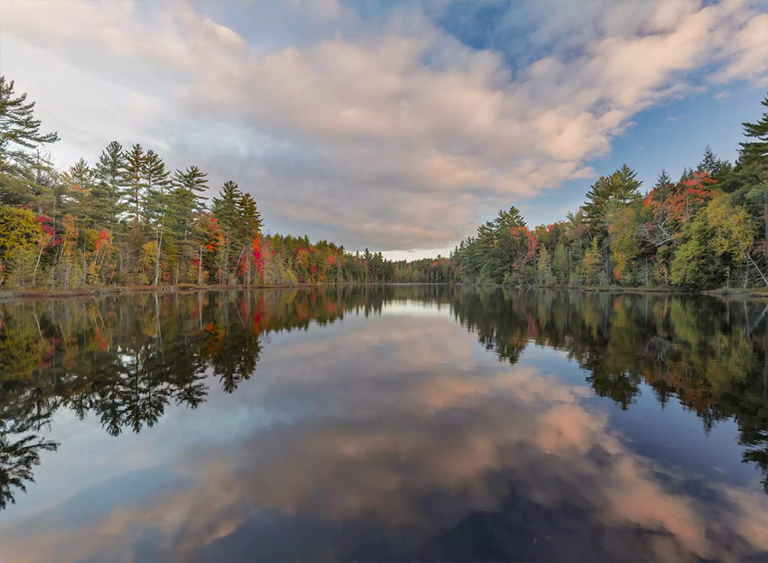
<point>669,136</point>
<point>397,126</point>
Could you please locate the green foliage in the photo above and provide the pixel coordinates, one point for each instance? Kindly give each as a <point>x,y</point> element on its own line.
<point>609,193</point>
<point>133,178</point>
<point>624,243</point>
<point>686,234</point>
<point>544,268</point>
<point>20,141</point>
<point>499,253</point>
<point>590,267</point>
<point>695,263</point>
<point>106,205</point>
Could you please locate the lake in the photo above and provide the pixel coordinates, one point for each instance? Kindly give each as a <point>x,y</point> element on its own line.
<point>392,423</point>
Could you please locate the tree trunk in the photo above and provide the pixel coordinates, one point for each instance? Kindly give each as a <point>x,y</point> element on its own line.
<point>157,254</point>
<point>37,264</point>
<point>759,271</point>
<point>746,272</point>
<point>248,270</point>
<point>765,220</point>
<point>200,268</point>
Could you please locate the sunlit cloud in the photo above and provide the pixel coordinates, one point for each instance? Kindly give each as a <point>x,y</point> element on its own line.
<point>386,132</point>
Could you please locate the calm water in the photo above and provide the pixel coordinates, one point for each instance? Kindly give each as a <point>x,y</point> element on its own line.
<point>395,423</point>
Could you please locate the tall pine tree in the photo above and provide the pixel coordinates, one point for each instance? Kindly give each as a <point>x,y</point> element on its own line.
<point>226,212</point>
<point>134,171</point>
<point>109,187</point>
<point>20,137</point>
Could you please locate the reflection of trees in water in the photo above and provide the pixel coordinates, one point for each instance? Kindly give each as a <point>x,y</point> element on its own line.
<point>707,353</point>
<point>125,359</point>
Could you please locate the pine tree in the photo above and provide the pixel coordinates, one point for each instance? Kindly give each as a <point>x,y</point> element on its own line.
<point>134,170</point>
<point>250,216</point>
<point>250,225</point>
<point>714,167</point>
<point>625,186</point>
<point>751,171</point>
<point>663,186</point>
<point>594,208</point>
<point>225,210</point>
<point>185,204</point>
<point>20,138</point>
<point>188,186</point>
<point>109,187</point>
<point>607,195</point>
<point>156,181</point>
<point>78,180</point>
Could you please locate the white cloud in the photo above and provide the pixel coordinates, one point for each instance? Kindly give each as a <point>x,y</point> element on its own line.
<point>383,134</point>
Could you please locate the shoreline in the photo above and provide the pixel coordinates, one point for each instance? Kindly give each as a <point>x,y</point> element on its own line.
<point>753,292</point>
<point>101,291</point>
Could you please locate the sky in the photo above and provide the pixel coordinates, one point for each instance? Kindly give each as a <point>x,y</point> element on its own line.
<point>397,126</point>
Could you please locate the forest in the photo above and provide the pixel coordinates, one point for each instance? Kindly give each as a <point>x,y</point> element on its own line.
<point>128,220</point>
<point>708,230</point>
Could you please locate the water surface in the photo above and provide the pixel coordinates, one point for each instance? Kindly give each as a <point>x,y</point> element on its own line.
<point>389,423</point>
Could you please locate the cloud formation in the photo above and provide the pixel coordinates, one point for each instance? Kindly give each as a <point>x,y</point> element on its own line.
<point>385,131</point>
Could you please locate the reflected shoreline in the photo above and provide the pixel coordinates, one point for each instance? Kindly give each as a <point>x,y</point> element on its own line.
<point>127,358</point>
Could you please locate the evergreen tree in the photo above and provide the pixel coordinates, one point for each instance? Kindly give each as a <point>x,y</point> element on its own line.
<point>226,211</point>
<point>186,203</point>
<point>156,181</point>
<point>134,171</point>
<point>188,186</point>
<point>750,174</point>
<point>249,216</point>
<point>250,225</point>
<point>714,167</point>
<point>20,138</point>
<point>663,187</point>
<point>79,181</point>
<point>109,186</point>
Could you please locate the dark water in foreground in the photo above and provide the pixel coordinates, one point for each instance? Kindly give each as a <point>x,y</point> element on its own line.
<point>394,423</point>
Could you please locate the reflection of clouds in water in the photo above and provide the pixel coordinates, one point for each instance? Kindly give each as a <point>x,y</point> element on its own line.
<point>418,443</point>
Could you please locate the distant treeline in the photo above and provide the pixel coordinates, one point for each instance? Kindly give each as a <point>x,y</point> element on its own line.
<point>127,220</point>
<point>707,230</point>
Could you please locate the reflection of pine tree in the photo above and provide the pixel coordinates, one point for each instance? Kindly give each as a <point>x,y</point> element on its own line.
<point>16,461</point>
<point>235,347</point>
<point>21,415</point>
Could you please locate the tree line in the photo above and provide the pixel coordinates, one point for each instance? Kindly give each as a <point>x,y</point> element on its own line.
<point>128,219</point>
<point>707,230</point>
